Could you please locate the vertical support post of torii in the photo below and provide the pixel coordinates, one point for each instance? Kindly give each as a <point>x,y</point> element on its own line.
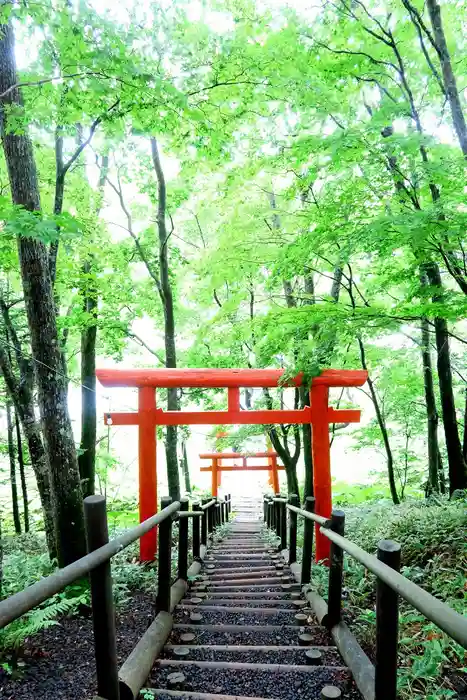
<point>214,478</point>
<point>321,463</point>
<point>147,468</point>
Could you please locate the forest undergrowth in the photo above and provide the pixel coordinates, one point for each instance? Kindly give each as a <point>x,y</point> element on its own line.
<point>433,539</point>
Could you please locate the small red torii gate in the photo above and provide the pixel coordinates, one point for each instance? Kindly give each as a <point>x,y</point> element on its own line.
<point>148,417</point>
<point>216,468</point>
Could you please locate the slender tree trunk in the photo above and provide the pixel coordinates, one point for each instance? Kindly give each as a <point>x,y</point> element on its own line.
<point>22,473</point>
<point>449,79</point>
<point>185,468</point>
<point>169,322</point>
<point>22,397</point>
<point>87,456</point>
<point>382,427</point>
<point>432,413</point>
<point>1,556</point>
<point>12,459</point>
<point>464,441</point>
<point>308,489</point>
<point>442,476</point>
<point>456,463</point>
<point>40,307</point>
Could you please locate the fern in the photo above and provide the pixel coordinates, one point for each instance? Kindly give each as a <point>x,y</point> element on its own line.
<point>13,636</point>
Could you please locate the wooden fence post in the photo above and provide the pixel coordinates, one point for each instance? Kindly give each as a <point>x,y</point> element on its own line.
<point>183,541</point>
<point>217,514</point>
<point>335,571</point>
<point>103,613</point>
<point>164,578</point>
<point>195,531</point>
<point>283,525</point>
<point>204,523</point>
<point>265,509</point>
<point>387,625</point>
<point>226,506</point>
<point>294,501</point>
<point>308,528</point>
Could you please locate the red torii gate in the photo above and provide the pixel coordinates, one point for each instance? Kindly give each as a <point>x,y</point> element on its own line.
<point>216,468</point>
<point>148,417</point>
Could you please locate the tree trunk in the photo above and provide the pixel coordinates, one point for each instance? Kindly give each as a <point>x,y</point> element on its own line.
<point>87,456</point>
<point>169,323</point>
<point>12,460</point>
<point>464,441</point>
<point>442,476</point>
<point>21,394</point>
<point>308,489</point>
<point>449,79</point>
<point>40,307</point>
<point>22,473</point>
<point>456,463</point>
<point>431,412</point>
<point>382,427</point>
<point>87,447</point>
<point>185,468</point>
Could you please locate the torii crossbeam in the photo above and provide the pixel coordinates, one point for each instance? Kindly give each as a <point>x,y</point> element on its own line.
<point>216,468</point>
<point>148,417</point>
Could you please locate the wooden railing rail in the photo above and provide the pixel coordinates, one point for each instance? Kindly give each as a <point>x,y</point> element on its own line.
<point>378,682</point>
<point>97,564</point>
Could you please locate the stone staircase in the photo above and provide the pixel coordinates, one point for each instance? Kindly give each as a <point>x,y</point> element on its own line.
<point>245,631</point>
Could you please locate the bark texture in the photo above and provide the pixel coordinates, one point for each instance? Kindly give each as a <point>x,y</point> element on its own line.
<point>12,460</point>
<point>40,308</point>
<point>22,473</point>
<point>21,392</point>
<point>185,468</point>
<point>449,79</point>
<point>456,462</point>
<point>431,411</point>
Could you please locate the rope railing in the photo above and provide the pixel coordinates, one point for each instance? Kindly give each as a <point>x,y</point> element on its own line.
<point>378,682</point>
<point>204,519</point>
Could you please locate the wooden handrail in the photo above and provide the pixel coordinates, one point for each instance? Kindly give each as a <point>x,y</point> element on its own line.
<point>97,564</point>
<point>16,605</point>
<point>447,619</point>
<point>378,682</point>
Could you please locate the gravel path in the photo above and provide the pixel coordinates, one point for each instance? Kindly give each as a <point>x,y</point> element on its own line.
<point>270,684</point>
<point>246,615</point>
<point>211,617</point>
<point>287,636</point>
<point>60,660</point>
<point>262,589</point>
<point>244,603</point>
<point>330,657</point>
